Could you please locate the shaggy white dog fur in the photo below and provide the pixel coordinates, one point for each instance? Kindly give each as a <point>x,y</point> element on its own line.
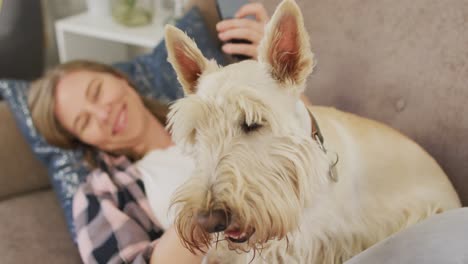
<point>264,190</point>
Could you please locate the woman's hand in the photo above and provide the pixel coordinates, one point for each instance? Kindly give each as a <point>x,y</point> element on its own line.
<point>241,27</point>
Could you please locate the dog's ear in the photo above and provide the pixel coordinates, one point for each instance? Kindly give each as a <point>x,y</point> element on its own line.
<point>285,47</point>
<point>184,55</point>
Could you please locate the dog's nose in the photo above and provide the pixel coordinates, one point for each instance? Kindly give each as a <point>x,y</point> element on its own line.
<point>214,221</point>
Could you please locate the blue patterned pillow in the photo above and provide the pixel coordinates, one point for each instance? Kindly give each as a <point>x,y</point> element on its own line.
<point>152,75</point>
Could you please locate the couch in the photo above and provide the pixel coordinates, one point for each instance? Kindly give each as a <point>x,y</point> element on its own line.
<point>400,62</point>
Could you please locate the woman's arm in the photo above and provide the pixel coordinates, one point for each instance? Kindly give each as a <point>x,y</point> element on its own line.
<point>169,249</point>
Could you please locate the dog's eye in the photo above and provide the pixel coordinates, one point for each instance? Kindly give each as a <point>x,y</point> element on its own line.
<point>250,128</point>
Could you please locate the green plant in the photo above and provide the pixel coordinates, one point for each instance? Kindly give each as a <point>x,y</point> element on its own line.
<point>130,13</point>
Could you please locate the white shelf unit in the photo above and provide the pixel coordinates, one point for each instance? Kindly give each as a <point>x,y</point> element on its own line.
<point>99,38</point>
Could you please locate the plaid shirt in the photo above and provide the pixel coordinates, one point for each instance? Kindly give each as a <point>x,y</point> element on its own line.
<point>112,216</point>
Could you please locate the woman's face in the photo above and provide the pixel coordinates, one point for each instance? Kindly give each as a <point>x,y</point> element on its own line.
<point>100,109</point>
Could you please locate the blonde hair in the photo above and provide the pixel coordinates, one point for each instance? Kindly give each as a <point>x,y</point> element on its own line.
<point>41,100</point>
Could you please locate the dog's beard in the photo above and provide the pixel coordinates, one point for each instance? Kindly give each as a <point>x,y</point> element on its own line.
<point>263,189</point>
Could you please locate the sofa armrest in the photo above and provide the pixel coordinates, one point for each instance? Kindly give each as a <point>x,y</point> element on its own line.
<point>20,171</point>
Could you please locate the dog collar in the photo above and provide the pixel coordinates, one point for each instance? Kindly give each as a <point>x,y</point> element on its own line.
<point>316,133</point>
<point>318,137</point>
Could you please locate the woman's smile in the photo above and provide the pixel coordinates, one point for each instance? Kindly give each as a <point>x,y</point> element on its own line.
<point>120,122</point>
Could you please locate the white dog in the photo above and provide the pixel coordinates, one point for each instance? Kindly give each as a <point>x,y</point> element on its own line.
<point>276,182</point>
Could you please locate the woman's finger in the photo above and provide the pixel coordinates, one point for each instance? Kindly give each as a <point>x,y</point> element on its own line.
<point>241,33</point>
<point>255,9</point>
<point>241,49</point>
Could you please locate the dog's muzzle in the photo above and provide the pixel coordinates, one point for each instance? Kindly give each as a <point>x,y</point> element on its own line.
<point>214,221</point>
<point>218,221</point>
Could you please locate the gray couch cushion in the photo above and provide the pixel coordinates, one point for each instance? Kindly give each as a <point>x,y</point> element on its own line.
<point>20,171</point>
<point>34,231</point>
<point>401,62</point>
<point>439,239</point>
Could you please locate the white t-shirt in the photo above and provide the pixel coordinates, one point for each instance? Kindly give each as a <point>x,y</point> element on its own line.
<point>163,171</point>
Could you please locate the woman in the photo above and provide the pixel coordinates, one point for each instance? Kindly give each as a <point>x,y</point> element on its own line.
<point>86,104</point>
